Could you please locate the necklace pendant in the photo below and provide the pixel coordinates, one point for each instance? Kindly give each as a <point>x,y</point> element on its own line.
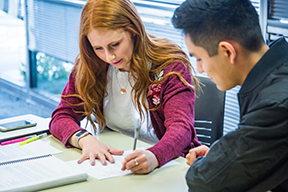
<point>123,91</point>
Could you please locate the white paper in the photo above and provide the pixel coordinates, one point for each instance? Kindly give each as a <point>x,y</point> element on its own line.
<point>100,171</point>
<point>15,151</point>
<point>37,174</point>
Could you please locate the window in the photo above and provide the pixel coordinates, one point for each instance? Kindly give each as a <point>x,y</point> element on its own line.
<point>50,72</point>
<point>12,44</point>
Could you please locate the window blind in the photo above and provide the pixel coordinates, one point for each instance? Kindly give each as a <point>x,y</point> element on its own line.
<point>277,22</point>
<point>53,27</point>
<point>279,9</point>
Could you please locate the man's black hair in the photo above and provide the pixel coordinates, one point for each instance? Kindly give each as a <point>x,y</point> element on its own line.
<point>208,22</point>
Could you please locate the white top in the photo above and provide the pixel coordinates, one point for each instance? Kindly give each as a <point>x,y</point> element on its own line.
<point>119,111</point>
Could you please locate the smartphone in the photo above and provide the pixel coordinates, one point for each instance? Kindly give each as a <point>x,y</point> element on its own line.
<point>14,125</point>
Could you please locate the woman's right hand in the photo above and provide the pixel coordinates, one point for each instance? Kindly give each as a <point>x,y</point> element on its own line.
<point>93,149</point>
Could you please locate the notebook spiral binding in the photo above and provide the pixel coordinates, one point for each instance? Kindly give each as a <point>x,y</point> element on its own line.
<point>21,160</point>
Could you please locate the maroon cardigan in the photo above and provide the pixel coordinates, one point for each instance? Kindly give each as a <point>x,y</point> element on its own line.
<point>173,121</point>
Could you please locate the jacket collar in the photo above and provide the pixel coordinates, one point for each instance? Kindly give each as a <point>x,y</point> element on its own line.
<point>273,58</point>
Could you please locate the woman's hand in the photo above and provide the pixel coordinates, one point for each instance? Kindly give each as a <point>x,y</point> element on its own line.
<point>93,149</point>
<point>140,161</point>
<point>196,152</point>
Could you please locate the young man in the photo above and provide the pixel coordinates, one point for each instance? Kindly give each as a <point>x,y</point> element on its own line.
<point>225,38</point>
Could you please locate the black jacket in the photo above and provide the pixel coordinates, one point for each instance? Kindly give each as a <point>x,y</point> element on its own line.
<point>254,156</point>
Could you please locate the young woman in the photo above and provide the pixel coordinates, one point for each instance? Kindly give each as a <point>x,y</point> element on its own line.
<point>127,78</point>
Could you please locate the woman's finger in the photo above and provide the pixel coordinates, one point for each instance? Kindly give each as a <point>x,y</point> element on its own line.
<point>92,159</point>
<point>109,157</point>
<point>138,166</point>
<point>102,158</point>
<point>124,163</point>
<point>82,158</point>
<point>115,151</point>
<point>139,171</point>
<point>135,163</point>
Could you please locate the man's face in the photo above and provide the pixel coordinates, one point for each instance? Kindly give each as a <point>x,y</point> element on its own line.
<point>216,67</point>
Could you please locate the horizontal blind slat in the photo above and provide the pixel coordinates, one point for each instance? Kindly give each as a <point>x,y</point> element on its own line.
<point>279,9</point>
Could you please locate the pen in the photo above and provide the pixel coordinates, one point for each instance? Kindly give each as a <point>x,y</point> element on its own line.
<point>136,134</point>
<point>33,139</point>
<point>16,140</point>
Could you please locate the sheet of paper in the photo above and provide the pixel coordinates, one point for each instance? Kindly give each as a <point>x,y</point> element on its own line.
<point>110,170</point>
<point>102,172</point>
<point>34,149</point>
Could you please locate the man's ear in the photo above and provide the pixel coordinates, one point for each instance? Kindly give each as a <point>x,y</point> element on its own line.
<point>227,50</point>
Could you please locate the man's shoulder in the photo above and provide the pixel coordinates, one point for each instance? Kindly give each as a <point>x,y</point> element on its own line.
<point>274,86</point>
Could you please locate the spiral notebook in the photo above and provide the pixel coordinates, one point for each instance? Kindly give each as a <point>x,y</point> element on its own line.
<point>31,171</point>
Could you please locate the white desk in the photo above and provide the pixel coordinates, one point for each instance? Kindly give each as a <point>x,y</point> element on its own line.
<point>164,179</point>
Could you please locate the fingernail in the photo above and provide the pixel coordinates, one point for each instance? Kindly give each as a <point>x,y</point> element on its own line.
<point>78,161</point>
<point>93,163</point>
<point>113,161</point>
<point>104,162</point>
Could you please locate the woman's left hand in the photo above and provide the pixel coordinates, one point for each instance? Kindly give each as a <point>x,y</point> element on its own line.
<point>140,161</point>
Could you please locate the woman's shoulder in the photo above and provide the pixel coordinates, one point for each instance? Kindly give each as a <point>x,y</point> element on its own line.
<point>176,66</point>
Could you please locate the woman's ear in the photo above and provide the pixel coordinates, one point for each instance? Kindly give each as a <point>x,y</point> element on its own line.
<point>228,51</point>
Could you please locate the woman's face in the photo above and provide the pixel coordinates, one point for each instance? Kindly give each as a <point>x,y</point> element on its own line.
<point>112,46</point>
